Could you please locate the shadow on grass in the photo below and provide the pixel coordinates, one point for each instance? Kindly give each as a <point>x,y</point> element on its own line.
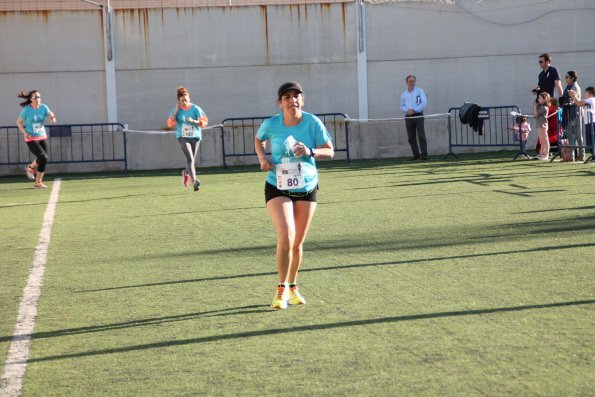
<point>199,211</point>
<point>481,179</point>
<point>379,242</point>
<point>528,193</point>
<point>584,208</point>
<point>341,267</point>
<point>125,196</point>
<point>251,309</point>
<point>403,167</point>
<point>410,176</point>
<point>308,328</point>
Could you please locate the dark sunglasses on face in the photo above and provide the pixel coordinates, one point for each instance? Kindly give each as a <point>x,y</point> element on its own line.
<point>541,61</point>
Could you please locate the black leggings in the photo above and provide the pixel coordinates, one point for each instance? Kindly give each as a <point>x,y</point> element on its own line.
<point>39,149</point>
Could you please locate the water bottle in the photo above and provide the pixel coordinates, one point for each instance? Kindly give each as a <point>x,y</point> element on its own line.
<point>290,144</point>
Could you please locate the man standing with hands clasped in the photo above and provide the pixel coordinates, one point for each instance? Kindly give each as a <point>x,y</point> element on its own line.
<point>413,104</point>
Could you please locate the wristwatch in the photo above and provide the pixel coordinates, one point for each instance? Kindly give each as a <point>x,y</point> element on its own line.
<point>312,152</point>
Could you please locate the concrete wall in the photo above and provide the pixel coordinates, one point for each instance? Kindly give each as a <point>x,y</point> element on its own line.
<point>58,53</point>
<point>232,59</point>
<point>458,56</point>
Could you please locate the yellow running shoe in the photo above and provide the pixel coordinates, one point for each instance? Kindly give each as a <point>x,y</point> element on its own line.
<point>295,298</point>
<point>281,298</point>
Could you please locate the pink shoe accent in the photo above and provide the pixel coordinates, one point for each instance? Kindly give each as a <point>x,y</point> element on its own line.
<point>185,178</point>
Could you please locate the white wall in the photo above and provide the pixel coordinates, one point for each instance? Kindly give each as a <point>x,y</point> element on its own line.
<point>58,53</point>
<point>459,57</point>
<point>231,59</point>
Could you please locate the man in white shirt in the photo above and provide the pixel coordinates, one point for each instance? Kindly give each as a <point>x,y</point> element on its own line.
<point>413,104</point>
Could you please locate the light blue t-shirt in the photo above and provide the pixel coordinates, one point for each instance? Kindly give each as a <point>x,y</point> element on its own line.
<point>185,129</point>
<point>311,131</point>
<point>34,119</point>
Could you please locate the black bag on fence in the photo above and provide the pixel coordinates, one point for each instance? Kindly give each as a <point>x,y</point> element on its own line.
<point>465,111</point>
<point>469,114</point>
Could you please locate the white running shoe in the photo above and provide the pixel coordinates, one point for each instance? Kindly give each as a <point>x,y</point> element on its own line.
<point>30,172</point>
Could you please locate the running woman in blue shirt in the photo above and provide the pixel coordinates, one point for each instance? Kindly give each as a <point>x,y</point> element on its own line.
<point>296,138</point>
<point>30,123</point>
<point>189,119</point>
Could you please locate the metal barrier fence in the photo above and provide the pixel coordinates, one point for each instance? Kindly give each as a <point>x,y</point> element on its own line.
<point>237,134</point>
<point>69,143</point>
<point>497,124</point>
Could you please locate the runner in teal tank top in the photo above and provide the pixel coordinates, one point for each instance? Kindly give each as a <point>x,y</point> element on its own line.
<point>297,139</point>
<point>311,132</point>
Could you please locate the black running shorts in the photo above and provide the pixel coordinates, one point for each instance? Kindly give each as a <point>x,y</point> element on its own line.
<point>270,192</point>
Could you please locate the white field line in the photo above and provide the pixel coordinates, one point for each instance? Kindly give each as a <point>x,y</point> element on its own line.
<point>18,352</point>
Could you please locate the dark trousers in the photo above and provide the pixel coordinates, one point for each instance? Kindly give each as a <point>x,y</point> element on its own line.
<point>415,131</point>
<point>39,150</point>
<point>589,134</point>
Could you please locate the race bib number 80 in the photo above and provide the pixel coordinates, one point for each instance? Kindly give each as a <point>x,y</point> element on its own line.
<point>290,176</point>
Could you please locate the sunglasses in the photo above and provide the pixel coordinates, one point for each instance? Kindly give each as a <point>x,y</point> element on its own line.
<point>541,61</point>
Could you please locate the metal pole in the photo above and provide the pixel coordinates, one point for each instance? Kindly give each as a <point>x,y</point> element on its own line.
<point>362,61</point>
<point>108,31</point>
<point>110,67</point>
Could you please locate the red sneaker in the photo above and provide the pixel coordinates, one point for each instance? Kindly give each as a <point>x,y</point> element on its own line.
<point>185,178</point>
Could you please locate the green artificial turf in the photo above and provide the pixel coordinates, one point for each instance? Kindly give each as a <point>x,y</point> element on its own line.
<point>469,277</point>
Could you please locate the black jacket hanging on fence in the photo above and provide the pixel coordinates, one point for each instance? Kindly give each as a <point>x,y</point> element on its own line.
<point>469,114</point>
